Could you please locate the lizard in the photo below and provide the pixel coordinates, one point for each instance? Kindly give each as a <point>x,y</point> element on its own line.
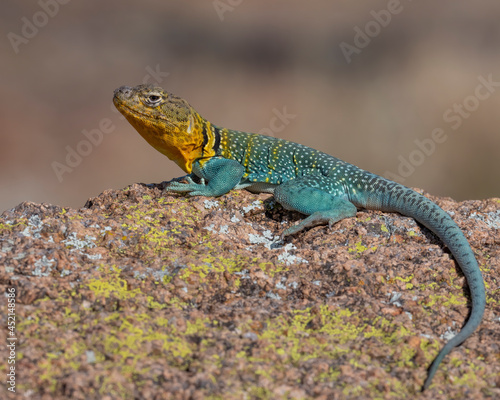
<point>322,187</point>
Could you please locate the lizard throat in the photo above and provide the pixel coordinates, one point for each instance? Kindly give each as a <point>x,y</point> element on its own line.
<point>167,137</point>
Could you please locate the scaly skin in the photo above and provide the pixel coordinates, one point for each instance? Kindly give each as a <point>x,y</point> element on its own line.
<point>302,179</point>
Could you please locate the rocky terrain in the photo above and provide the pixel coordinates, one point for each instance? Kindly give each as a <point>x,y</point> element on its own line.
<point>144,295</point>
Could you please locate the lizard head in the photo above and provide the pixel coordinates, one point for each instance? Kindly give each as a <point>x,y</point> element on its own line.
<point>167,122</point>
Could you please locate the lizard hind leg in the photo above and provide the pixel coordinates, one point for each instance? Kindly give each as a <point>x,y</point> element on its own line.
<point>307,196</point>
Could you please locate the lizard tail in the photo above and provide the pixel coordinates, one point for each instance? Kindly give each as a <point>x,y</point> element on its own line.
<point>399,198</point>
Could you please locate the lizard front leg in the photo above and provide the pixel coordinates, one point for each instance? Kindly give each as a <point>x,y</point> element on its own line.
<point>218,176</point>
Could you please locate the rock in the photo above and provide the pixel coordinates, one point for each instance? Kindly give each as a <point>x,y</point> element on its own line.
<point>145,295</point>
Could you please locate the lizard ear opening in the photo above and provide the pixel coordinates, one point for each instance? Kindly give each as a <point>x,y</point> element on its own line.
<point>191,124</point>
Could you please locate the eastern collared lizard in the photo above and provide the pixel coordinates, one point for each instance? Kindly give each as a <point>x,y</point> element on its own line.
<point>302,179</point>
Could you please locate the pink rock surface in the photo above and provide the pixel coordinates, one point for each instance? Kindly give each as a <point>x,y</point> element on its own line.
<point>141,294</point>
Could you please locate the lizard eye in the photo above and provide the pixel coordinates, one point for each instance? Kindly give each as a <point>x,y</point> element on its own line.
<point>153,99</point>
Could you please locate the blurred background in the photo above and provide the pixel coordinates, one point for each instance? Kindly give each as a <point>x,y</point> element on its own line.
<point>366,81</point>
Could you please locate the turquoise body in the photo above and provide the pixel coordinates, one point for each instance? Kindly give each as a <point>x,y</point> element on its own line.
<point>327,190</point>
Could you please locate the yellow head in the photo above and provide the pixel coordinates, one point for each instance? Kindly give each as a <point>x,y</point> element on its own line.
<point>167,122</point>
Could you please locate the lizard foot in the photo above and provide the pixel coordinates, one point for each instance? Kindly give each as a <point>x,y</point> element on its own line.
<point>318,218</point>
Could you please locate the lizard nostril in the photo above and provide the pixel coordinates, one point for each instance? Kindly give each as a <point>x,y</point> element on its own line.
<point>125,91</point>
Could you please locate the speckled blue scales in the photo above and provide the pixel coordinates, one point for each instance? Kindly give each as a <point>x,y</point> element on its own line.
<point>272,160</point>
<point>316,184</point>
<point>327,190</point>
